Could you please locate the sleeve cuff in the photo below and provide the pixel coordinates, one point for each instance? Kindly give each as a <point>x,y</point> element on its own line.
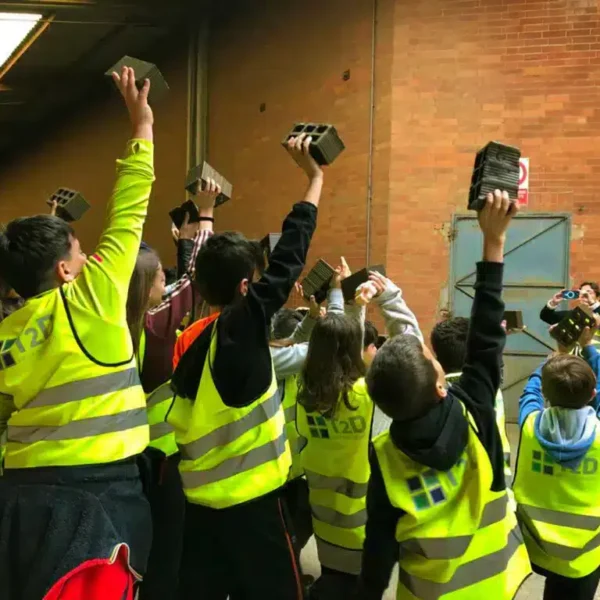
<point>139,145</point>
<point>336,295</point>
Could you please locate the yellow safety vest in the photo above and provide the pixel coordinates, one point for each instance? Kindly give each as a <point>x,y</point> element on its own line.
<point>336,465</point>
<point>288,389</point>
<point>229,455</point>
<point>457,540</point>
<point>558,507</point>
<point>74,383</point>
<point>158,402</point>
<point>501,422</point>
<point>162,435</point>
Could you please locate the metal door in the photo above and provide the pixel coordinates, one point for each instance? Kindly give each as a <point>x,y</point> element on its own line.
<point>536,266</point>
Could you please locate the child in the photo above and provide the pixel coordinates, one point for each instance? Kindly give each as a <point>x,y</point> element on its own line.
<point>449,344</point>
<point>557,482</point>
<point>153,317</point>
<point>437,498</point>
<point>335,415</point>
<point>71,402</point>
<point>228,420</point>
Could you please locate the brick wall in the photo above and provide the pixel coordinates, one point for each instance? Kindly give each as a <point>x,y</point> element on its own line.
<point>469,71</point>
<point>450,75</point>
<point>80,152</point>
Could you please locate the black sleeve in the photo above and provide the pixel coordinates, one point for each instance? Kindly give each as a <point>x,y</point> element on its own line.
<point>481,376</point>
<point>185,249</point>
<point>380,552</point>
<point>552,316</point>
<point>287,259</point>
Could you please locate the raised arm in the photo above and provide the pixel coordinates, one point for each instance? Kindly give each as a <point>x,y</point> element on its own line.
<point>289,255</point>
<point>480,380</point>
<point>104,281</point>
<point>399,319</point>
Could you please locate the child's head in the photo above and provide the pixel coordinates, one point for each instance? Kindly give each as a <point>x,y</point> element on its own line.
<point>370,342</point>
<point>405,380</point>
<point>284,323</point>
<point>568,381</point>
<point>333,364</point>
<point>146,289</point>
<point>449,343</point>
<point>225,265</point>
<point>38,254</point>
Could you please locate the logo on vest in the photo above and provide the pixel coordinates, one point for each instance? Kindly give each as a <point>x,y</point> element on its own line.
<point>319,426</point>
<point>31,338</point>
<point>426,490</point>
<point>543,463</point>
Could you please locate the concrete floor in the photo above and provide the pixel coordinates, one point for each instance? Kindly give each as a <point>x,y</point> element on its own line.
<point>532,589</point>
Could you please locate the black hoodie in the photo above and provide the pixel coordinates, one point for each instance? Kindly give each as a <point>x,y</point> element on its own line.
<point>438,439</point>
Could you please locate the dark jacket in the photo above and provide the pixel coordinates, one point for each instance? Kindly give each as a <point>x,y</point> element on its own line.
<point>242,367</point>
<point>552,316</point>
<point>438,439</point>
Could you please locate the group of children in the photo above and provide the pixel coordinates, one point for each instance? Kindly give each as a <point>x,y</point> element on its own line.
<point>200,463</point>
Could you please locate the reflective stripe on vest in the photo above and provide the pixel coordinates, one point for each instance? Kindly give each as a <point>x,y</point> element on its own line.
<point>468,574</point>
<point>558,507</point>
<point>336,464</point>
<point>75,386</point>
<point>162,435</point>
<point>339,485</point>
<point>338,558</point>
<point>554,517</point>
<point>288,388</point>
<point>81,428</point>
<point>454,547</point>
<point>457,539</point>
<point>237,465</point>
<point>85,388</point>
<point>230,455</point>
<point>223,435</point>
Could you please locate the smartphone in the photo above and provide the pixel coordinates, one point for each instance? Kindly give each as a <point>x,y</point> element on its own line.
<point>571,294</point>
<point>178,214</point>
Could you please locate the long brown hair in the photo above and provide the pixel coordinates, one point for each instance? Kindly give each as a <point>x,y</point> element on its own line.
<point>333,365</point>
<point>138,299</point>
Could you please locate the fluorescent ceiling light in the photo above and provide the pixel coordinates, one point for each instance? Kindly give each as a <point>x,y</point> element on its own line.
<point>14,28</point>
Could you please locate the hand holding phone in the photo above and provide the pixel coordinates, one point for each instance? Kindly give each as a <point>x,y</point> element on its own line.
<point>570,294</point>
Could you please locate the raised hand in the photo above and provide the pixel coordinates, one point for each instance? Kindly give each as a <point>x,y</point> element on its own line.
<point>494,219</point>
<point>365,293</point>
<point>379,281</point>
<point>298,148</point>
<point>136,101</point>
<point>205,198</point>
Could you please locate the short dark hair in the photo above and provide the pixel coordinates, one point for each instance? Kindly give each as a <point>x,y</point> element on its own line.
<point>371,334</point>
<point>402,380</point>
<point>259,256</point>
<point>593,285</point>
<point>449,343</point>
<point>284,323</point>
<point>568,381</point>
<point>222,263</point>
<point>30,249</point>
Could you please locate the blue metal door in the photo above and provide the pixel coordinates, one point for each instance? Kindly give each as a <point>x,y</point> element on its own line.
<point>536,266</point>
